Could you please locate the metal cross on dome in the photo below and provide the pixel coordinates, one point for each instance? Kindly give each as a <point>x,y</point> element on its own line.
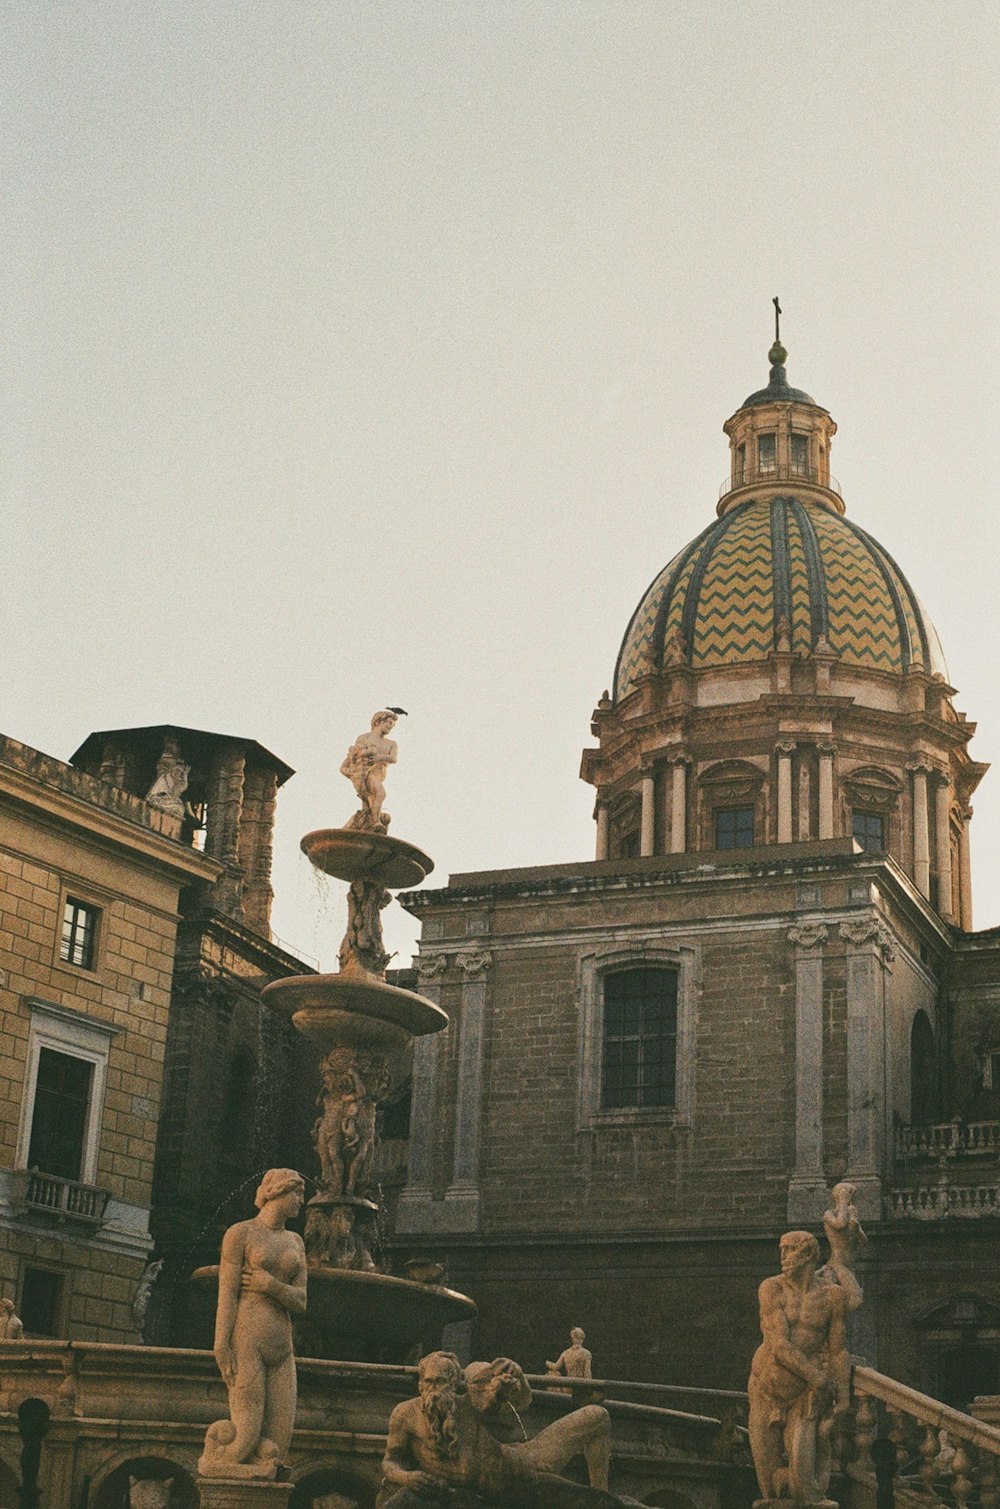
<point>777,317</point>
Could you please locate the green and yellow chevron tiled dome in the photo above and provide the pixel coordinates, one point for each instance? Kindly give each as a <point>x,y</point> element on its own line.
<point>721,600</point>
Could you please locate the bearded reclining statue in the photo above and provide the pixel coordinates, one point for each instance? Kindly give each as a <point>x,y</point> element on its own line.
<point>440,1450</point>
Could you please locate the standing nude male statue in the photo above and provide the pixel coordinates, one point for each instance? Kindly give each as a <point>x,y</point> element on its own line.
<point>800,1377</point>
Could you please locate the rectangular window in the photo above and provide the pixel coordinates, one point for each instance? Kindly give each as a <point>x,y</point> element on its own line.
<point>868,829</point>
<point>41,1302</point>
<point>800,455</point>
<point>639,1064</point>
<point>741,462</point>
<point>79,933</point>
<point>734,828</point>
<point>59,1120</point>
<point>767,452</point>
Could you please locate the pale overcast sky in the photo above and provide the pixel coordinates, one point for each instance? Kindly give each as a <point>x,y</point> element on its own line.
<point>379,352</point>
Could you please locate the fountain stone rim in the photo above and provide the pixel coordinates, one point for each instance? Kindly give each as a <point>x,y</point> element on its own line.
<point>354,854</point>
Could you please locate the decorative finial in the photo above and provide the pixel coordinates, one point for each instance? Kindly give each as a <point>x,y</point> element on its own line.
<point>777,355</point>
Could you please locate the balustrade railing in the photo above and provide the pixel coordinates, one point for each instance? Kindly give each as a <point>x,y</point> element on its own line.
<point>942,1455</point>
<point>949,1139</point>
<point>63,1199</point>
<point>936,1202</point>
<point>781,471</point>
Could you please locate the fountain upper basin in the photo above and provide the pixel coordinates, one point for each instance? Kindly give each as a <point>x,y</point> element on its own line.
<point>351,854</point>
<point>354,1008</point>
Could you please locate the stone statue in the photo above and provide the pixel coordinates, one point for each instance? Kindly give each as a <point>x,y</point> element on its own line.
<point>440,1450</point>
<point>500,1385</point>
<point>149,1493</point>
<point>362,949</point>
<point>846,1236</point>
<point>344,1132</point>
<point>800,1377</point>
<point>167,791</point>
<point>11,1326</point>
<point>140,1303</point>
<point>365,766</point>
<point>262,1284</point>
<point>576,1361</point>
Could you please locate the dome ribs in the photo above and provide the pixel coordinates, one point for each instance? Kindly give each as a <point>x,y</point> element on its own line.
<point>689,617</point>
<point>875,552</point>
<point>781,564</point>
<point>734,613</point>
<point>819,611</point>
<point>864,622</point>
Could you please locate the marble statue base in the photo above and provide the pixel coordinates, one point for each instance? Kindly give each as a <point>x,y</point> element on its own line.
<point>228,1493</point>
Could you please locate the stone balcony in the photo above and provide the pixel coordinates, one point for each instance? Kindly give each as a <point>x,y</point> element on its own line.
<point>945,1170</point>
<point>57,1201</point>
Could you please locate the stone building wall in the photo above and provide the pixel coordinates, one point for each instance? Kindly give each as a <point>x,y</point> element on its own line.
<point>65,835</point>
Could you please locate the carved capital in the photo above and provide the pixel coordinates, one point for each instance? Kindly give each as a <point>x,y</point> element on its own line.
<point>808,934</point>
<point>871,931</point>
<point>678,757</point>
<point>828,750</point>
<point>920,767</point>
<point>430,966</point>
<point>473,963</point>
<point>786,747</point>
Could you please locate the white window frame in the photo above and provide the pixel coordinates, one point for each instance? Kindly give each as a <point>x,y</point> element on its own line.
<point>78,1036</point>
<point>592,969</point>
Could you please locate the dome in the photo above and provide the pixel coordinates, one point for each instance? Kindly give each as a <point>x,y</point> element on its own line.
<point>722,600</point>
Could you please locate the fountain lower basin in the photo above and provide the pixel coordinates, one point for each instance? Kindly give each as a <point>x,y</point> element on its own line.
<point>353,1316</point>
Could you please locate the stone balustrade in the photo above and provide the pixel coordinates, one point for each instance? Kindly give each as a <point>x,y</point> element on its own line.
<point>941,1454</point>
<point>942,1201</point>
<point>949,1139</point>
<point>48,1195</point>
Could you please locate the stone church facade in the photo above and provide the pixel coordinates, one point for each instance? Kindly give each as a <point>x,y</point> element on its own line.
<point>765,982</point>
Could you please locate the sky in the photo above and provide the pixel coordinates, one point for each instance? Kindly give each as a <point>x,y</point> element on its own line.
<point>367,353</point>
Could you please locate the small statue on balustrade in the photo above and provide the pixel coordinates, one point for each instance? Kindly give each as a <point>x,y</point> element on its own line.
<point>11,1326</point>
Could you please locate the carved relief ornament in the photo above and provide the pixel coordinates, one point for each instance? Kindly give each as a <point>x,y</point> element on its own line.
<point>432,965</point>
<point>473,963</point>
<point>808,934</point>
<point>870,930</point>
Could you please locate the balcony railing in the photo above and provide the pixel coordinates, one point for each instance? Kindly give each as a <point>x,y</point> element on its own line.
<point>785,471</point>
<point>943,1201</point>
<point>63,1200</point>
<point>949,1139</point>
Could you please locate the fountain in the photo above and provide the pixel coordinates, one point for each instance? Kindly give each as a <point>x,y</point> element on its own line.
<point>362,1028</point>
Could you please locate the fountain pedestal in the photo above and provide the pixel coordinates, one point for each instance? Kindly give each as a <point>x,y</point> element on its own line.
<point>362,1028</point>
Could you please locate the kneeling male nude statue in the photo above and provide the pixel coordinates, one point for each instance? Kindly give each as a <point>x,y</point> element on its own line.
<point>440,1450</point>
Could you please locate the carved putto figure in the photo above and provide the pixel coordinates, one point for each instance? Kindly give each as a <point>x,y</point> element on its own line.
<point>344,1132</point>
<point>167,791</point>
<point>440,1450</point>
<point>262,1284</point>
<point>800,1376</point>
<point>365,766</point>
<point>846,1237</point>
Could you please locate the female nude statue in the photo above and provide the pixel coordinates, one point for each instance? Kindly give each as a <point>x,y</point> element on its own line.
<point>262,1284</point>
